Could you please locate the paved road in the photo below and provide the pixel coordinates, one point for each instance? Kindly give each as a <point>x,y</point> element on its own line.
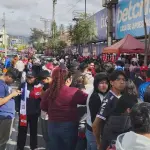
<point>13,140</point>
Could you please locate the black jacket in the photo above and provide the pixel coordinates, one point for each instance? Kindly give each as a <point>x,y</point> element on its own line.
<point>115,126</point>
<point>33,103</point>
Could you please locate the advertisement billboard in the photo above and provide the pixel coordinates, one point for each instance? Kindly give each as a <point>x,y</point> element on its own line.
<point>101,24</point>
<point>129,18</point>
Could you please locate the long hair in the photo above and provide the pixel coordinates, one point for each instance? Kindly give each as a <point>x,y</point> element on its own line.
<point>58,80</point>
<point>131,88</point>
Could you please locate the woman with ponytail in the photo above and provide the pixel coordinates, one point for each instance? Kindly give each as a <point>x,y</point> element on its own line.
<point>60,101</point>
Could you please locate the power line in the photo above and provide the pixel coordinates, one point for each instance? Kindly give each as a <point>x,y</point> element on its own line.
<point>74,5</point>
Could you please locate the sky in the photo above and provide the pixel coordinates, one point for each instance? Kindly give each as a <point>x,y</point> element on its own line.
<point>22,15</point>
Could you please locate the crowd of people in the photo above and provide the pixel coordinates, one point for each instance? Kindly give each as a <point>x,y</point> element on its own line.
<point>79,103</point>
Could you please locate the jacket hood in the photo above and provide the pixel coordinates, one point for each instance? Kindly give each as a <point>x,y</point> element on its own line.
<point>132,141</point>
<point>98,78</point>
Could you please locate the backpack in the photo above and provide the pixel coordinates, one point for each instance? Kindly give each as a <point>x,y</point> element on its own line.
<point>147,94</point>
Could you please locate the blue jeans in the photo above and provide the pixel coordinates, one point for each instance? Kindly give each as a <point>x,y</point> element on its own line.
<point>63,135</point>
<point>81,144</point>
<point>91,140</point>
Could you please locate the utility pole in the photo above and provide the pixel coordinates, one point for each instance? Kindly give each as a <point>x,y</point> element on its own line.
<point>110,24</point>
<point>145,30</point>
<point>85,9</point>
<point>54,4</point>
<point>4,30</point>
<point>148,48</point>
<point>53,18</point>
<point>54,23</point>
<point>109,5</point>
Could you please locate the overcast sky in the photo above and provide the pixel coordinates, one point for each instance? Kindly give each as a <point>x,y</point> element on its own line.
<point>21,15</point>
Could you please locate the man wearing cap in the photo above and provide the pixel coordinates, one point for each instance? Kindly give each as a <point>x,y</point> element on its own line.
<point>29,103</point>
<point>7,106</point>
<point>46,79</point>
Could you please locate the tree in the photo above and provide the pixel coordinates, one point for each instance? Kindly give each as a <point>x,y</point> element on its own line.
<point>61,29</point>
<point>56,45</point>
<point>62,44</point>
<point>38,46</point>
<point>83,32</point>
<point>38,38</point>
<point>70,31</point>
<point>55,31</point>
<point>54,42</point>
<point>36,35</point>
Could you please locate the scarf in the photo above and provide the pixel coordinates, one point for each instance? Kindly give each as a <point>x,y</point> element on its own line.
<point>35,94</point>
<point>23,115</point>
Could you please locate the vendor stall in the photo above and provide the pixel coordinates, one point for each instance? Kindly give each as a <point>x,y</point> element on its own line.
<point>127,45</point>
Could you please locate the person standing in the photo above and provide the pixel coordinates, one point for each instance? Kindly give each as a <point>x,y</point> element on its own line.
<point>139,137</point>
<point>60,101</point>
<point>46,79</point>
<point>29,65</point>
<point>14,60</point>
<point>118,83</point>
<point>20,66</point>
<point>94,101</point>
<point>29,103</point>
<point>7,106</point>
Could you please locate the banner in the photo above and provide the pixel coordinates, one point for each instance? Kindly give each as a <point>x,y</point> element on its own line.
<point>101,24</point>
<point>129,19</point>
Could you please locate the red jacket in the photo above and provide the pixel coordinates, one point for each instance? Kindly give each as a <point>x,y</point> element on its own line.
<point>64,107</point>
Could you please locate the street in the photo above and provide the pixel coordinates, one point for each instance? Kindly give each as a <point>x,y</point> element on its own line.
<point>12,144</point>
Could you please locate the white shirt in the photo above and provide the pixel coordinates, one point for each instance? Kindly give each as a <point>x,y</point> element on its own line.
<point>20,66</point>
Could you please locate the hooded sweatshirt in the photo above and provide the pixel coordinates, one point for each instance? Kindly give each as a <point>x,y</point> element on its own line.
<point>94,100</point>
<point>132,141</point>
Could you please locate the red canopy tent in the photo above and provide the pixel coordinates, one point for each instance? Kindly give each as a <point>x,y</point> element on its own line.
<point>127,45</point>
